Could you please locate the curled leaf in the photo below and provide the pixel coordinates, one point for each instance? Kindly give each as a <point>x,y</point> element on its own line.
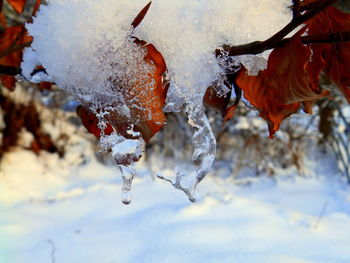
<point>13,40</point>
<point>334,59</point>
<point>278,91</point>
<point>138,19</point>
<point>18,5</point>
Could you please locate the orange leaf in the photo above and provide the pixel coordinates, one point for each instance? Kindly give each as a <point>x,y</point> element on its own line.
<point>218,102</point>
<point>334,58</point>
<point>90,122</point>
<point>150,117</point>
<point>2,20</point>
<point>36,6</point>
<point>152,99</point>
<point>278,90</point>
<point>11,50</point>
<point>18,5</point>
<point>45,85</point>
<point>138,19</point>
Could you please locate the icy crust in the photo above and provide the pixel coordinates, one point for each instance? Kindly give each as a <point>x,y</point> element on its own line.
<point>76,40</point>
<point>87,49</point>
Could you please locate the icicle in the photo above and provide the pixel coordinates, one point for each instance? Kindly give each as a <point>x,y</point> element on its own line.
<point>204,150</point>
<point>128,173</point>
<point>125,153</point>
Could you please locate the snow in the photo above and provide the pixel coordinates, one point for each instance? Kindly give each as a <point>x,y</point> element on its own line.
<point>88,49</point>
<point>68,210</point>
<point>186,32</point>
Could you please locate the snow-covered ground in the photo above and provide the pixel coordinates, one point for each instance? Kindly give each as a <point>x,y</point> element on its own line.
<point>69,211</point>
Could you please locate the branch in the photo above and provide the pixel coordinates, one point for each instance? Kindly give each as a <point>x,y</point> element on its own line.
<point>325,39</point>
<point>296,8</point>
<point>258,47</point>
<point>9,70</point>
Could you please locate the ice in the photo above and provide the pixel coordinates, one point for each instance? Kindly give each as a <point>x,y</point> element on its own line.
<point>185,32</point>
<point>87,48</point>
<point>204,145</point>
<point>125,152</point>
<point>128,174</point>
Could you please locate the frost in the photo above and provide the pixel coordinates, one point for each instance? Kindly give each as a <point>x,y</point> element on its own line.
<point>87,48</point>
<point>185,32</point>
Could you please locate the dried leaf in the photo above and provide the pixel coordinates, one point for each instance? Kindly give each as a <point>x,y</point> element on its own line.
<point>11,46</point>
<point>278,90</point>
<point>18,5</point>
<point>152,99</point>
<point>216,101</point>
<point>333,58</point>
<point>138,19</point>
<point>36,6</point>
<point>90,122</point>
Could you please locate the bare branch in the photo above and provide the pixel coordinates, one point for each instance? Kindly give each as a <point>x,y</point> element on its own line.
<point>296,8</point>
<point>258,47</point>
<point>326,39</point>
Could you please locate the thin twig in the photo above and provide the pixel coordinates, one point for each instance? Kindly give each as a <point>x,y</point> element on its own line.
<point>296,8</point>
<point>258,47</point>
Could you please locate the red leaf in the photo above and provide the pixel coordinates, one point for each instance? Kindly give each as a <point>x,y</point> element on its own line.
<point>90,122</point>
<point>12,39</point>
<point>138,19</point>
<point>218,102</point>
<point>333,58</point>
<point>45,85</point>
<point>18,5</point>
<point>278,90</point>
<point>152,101</point>
<point>36,6</point>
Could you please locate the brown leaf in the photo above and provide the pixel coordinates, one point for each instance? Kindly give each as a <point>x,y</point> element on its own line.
<point>216,101</point>
<point>149,118</point>
<point>11,48</point>
<point>334,59</point>
<point>152,101</point>
<point>90,122</point>
<point>278,90</point>
<point>18,5</point>
<point>138,19</point>
<point>36,6</point>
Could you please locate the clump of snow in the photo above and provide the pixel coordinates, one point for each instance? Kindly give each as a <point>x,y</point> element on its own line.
<point>79,42</point>
<point>29,64</point>
<point>87,48</point>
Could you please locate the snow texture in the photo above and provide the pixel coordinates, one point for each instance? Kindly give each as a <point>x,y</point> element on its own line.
<point>80,41</point>
<point>87,48</point>
<point>65,210</point>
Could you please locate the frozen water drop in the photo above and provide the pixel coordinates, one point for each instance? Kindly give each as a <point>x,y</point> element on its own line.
<point>126,198</point>
<point>128,173</point>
